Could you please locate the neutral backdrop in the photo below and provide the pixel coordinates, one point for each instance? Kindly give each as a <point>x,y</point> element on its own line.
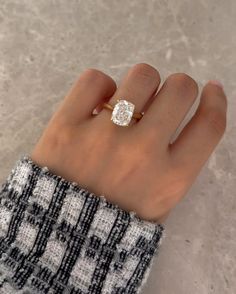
<point>45,44</point>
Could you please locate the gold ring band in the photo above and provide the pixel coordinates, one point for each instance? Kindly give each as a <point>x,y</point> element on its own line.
<point>136,115</point>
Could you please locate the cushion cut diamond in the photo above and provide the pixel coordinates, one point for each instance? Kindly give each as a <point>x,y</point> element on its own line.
<point>122,113</point>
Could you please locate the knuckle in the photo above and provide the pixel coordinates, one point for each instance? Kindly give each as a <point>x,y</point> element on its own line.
<point>216,119</point>
<point>145,71</point>
<point>183,81</point>
<point>92,74</point>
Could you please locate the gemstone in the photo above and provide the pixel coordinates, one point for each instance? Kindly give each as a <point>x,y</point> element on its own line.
<point>122,113</point>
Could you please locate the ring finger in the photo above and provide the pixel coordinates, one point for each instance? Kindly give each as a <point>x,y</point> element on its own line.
<point>138,86</point>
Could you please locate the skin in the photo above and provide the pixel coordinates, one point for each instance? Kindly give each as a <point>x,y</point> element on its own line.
<point>134,167</point>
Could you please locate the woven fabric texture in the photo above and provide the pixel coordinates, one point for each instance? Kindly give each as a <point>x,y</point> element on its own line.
<point>56,237</point>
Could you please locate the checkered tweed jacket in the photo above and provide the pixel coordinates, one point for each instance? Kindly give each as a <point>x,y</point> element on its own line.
<point>56,237</point>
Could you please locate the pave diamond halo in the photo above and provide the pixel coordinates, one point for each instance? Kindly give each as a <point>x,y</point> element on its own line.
<point>122,112</point>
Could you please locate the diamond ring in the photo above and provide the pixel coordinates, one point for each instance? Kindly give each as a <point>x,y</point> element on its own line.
<point>123,112</point>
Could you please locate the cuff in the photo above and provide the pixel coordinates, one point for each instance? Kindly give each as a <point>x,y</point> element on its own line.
<point>56,237</point>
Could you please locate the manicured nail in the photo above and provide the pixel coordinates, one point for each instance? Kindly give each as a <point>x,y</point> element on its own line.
<point>216,83</point>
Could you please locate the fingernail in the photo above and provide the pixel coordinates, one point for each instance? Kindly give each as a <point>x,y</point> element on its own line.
<point>216,83</point>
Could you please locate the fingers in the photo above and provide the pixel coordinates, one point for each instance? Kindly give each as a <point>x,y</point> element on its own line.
<point>92,88</point>
<point>170,105</point>
<point>138,86</point>
<point>201,135</point>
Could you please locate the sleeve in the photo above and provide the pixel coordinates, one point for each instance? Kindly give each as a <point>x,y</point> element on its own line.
<point>56,237</point>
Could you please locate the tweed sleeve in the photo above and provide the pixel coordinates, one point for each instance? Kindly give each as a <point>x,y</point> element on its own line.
<point>56,237</point>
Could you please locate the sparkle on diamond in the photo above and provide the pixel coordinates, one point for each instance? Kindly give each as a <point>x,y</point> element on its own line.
<point>122,113</point>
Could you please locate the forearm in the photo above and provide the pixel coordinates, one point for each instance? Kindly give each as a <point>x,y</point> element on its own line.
<point>56,235</point>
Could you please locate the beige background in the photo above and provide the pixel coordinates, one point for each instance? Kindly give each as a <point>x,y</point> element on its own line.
<point>45,44</point>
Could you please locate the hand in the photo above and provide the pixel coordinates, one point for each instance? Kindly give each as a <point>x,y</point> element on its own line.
<point>134,167</point>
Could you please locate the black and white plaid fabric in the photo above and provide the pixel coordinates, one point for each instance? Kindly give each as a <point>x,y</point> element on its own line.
<point>56,237</point>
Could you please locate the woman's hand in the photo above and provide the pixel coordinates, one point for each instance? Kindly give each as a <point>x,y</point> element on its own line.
<point>134,167</point>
